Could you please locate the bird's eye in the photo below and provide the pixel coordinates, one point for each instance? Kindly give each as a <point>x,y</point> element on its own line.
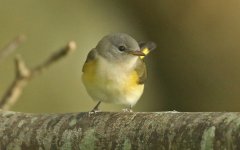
<point>122,48</point>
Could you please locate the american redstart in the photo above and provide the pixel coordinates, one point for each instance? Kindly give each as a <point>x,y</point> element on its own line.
<point>115,72</point>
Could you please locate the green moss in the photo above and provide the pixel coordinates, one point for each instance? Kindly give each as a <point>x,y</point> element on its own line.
<point>72,122</point>
<point>127,145</point>
<point>208,138</point>
<point>33,119</point>
<point>8,113</point>
<point>13,146</point>
<point>88,142</point>
<point>21,123</point>
<point>66,139</point>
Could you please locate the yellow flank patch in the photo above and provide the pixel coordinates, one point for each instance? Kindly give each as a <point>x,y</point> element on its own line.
<point>89,70</point>
<point>145,51</point>
<point>132,82</point>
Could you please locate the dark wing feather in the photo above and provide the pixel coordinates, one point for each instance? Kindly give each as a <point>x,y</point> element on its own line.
<point>91,56</point>
<point>141,66</point>
<point>150,45</point>
<point>141,71</point>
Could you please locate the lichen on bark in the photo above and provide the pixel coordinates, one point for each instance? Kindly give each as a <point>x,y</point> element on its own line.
<point>112,130</point>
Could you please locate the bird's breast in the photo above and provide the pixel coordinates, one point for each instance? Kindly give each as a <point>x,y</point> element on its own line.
<point>111,81</point>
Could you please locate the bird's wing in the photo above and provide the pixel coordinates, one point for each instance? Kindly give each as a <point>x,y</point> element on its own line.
<point>90,57</point>
<point>141,71</point>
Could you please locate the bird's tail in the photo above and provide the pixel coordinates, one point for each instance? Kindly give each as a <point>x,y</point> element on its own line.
<point>147,47</point>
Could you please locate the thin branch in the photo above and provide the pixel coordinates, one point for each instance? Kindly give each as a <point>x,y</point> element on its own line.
<point>11,46</point>
<point>55,57</point>
<point>110,130</point>
<point>24,75</point>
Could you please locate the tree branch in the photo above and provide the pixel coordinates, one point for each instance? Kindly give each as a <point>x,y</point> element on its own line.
<point>105,130</point>
<point>11,46</point>
<point>24,75</point>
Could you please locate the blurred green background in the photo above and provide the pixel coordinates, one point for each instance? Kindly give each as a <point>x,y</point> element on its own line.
<point>196,66</point>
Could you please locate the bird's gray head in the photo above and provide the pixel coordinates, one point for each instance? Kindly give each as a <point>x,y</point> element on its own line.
<point>118,46</point>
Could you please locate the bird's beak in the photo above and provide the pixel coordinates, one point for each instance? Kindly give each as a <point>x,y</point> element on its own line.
<point>136,53</point>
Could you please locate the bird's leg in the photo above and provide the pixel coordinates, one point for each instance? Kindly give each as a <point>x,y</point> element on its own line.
<point>128,109</point>
<point>95,109</point>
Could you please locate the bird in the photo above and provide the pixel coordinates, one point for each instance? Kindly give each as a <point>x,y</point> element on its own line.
<point>115,71</point>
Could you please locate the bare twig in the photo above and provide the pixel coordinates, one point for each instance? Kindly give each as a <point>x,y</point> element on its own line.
<point>24,75</point>
<point>11,46</point>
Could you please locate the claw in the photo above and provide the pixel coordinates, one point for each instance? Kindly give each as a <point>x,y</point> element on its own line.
<point>95,109</point>
<point>127,109</point>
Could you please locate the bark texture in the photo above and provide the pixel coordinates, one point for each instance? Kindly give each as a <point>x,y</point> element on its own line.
<point>110,130</point>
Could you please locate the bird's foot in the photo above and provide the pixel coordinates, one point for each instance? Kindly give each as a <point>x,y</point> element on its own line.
<point>94,111</point>
<point>127,110</point>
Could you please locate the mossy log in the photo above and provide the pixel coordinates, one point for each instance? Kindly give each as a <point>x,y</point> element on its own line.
<point>120,130</point>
